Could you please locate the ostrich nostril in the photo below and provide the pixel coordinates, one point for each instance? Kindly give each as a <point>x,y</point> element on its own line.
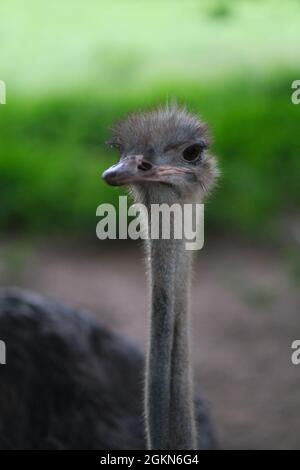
<point>144,165</point>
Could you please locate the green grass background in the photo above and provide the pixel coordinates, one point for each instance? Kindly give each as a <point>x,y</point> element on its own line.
<point>72,68</point>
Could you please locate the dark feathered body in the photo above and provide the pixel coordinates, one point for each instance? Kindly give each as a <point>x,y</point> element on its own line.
<point>69,383</point>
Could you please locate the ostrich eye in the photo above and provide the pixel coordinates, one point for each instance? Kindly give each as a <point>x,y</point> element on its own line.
<point>192,153</point>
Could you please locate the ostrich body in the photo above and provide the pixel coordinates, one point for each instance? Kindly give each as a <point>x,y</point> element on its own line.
<point>68,382</point>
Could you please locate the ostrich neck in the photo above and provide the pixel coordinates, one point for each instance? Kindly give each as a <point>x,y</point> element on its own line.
<point>169,397</point>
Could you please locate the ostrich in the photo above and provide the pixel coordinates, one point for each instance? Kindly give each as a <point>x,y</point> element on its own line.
<point>69,383</point>
<point>164,158</point>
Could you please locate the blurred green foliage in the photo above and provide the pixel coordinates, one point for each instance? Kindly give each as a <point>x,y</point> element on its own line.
<point>73,68</point>
<point>53,152</point>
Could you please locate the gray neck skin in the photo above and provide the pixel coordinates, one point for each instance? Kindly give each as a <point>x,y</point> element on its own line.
<point>170,415</point>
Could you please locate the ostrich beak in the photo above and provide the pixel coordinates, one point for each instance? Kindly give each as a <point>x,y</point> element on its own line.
<point>135,169</point>
<point>126,171</point>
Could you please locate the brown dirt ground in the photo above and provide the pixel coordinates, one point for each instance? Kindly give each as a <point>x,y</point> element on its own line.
<point>245,315</point>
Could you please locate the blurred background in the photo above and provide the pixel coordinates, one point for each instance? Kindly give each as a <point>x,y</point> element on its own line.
<point>71,70</point>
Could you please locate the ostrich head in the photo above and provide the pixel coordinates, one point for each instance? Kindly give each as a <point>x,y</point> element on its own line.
<point>164,156</point>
